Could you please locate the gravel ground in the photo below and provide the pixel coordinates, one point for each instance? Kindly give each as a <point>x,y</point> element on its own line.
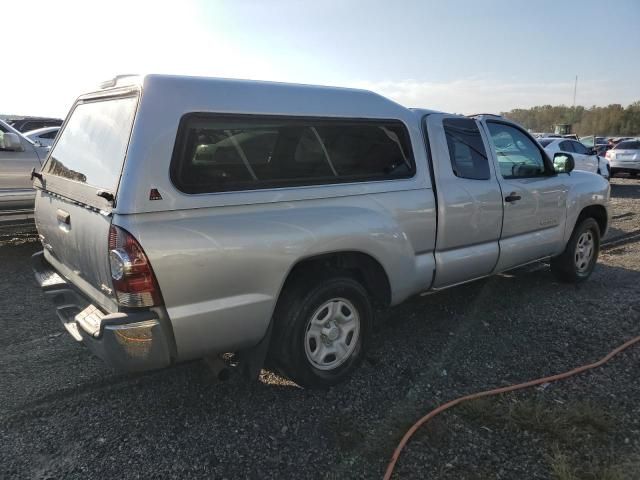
<point>64,415</point>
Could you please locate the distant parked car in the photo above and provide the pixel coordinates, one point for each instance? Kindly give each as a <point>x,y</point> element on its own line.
<point>43,136</point>
<point>32,123</point>
<point>585,158</point>
<point>601,150</point>
<point>18,156</point>
<point>625,157</point>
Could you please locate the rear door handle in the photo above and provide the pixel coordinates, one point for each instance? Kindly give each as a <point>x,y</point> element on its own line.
<point>512,197</point>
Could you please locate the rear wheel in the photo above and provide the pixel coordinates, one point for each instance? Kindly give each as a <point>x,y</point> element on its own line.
<point>579,258</point>
<point>321,331</point>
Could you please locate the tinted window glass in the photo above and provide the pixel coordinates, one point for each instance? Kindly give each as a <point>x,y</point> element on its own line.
<point>92,146</point>
<point>518,155</point>
<point>216,153</point>
<point>628,145</point>
<point>566,146</point>
<point>579,148</point>
<point>466,150</point>
<point>49,135</point>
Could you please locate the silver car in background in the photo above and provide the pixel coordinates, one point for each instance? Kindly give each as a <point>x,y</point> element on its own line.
<point>43,136</point>
<point>18,157</point>
<point>625,157</point>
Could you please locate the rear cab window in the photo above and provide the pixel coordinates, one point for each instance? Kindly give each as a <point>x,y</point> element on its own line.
<point>215,153</point>
<point>93,144</point>
<point>466,149</point>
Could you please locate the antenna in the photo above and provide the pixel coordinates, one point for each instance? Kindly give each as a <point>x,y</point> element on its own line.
<point>575,90</point>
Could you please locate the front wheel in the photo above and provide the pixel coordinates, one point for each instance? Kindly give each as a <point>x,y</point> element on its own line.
<point>579,258</point>
<point>321,331</point>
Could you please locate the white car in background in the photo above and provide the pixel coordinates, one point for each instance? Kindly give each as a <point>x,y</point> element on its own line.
<point>585,158</point>
<point>44,136</point>
<point>625,157</point>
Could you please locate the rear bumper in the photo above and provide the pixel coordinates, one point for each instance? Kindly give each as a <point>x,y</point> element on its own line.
<point>624,166</point>
<point>128,341</point>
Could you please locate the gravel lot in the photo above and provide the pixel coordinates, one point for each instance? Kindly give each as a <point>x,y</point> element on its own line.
<point>64,415</point>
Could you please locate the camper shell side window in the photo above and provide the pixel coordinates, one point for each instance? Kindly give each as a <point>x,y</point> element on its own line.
<point>217,153</point>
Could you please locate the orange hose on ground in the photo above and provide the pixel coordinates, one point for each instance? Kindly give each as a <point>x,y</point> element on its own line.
<point>496,391</point>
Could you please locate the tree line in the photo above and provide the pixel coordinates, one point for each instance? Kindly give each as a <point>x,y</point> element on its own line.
<point>612,120</point>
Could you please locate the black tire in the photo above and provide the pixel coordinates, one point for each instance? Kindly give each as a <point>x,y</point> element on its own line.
<point>565,267</point>
<point>292,318</point>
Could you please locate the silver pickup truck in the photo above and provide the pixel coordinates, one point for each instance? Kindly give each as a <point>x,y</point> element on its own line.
<point>185,217</point>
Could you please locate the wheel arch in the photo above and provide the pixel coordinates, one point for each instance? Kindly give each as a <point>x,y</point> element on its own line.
<point>598,213</point>
<point>362,266</point>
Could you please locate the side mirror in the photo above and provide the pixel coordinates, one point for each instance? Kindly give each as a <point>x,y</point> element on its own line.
<point>11,142</point>
<point>563,162</point>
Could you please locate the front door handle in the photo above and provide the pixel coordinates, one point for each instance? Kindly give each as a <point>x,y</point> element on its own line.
<point>512,197</point>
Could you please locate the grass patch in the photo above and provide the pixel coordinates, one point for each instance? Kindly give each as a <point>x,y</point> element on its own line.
<point>535,414</point>
<point>577,434</point>
<point>564,467</point>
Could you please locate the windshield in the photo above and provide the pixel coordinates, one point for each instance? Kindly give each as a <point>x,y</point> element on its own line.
<point>93,144</point>
<point>628,145</point>
<point>546,141</point>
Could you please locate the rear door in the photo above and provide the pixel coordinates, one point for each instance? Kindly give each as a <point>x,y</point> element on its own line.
<point>534,197</point>
<point>469,200</point>
<point>80,178</point>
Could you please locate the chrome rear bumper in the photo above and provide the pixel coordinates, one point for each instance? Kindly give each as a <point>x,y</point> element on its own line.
<point>129,341</point>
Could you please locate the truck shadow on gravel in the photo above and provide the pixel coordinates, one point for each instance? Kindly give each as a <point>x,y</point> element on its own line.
<point>505,329</point>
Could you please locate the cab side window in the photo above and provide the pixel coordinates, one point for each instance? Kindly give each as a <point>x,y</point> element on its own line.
<point>466,150</point>
<point>518,155</point>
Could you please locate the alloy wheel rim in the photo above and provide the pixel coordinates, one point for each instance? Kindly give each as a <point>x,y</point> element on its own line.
<point>332,334</point>
<point>584,251</point>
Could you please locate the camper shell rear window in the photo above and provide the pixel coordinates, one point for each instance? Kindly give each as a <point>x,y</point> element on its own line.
<point>93,143</point>
<point>217,153</point>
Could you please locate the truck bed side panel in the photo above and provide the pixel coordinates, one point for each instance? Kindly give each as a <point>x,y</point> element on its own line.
<point>220,292</point>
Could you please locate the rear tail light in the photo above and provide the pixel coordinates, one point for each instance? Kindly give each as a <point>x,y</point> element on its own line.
<point>133,280</point>
<point>609,155</point>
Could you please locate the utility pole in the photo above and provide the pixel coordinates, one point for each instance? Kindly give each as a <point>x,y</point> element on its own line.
<point>575,90</point>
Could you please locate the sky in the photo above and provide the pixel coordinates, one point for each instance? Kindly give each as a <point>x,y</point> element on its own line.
<point>460,56</point>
